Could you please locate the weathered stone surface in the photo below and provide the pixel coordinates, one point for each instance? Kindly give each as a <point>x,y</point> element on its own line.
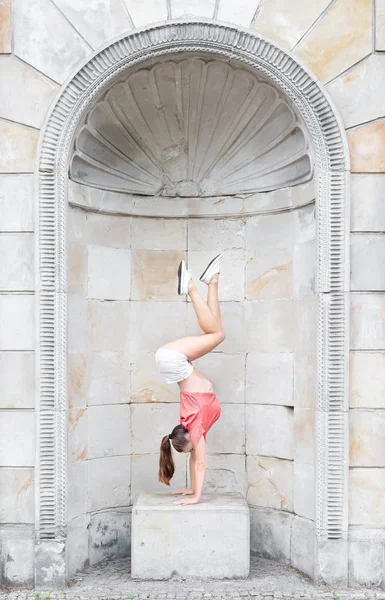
<point>286,22</point>
<point>110,535</point>
<point>368,202</point>
<point>366,557</point>
<point>161,417</point>
<point>270,482</point>
<point>108,378</point>
<point>216,235</point>
<point>55,55</point>
<point>367,438</point>
<point>367,148</point>
<point>227,374</point>
<point>269,430</point>
<point>77,268</point>
<point>17,380</point>
<point>29,97</point>
<point>144,474</point>
<point>367,323</point>
<point>269,378</point>
<point>147,384</point>
<point>97,23</point>
<point>269,273</point>
<point>17,556</point>
<point>380,24</point>
<point>271,231</point>
<point>78,488</point>
<point>50,564</point>
<point>108,430</point>
<point>367,252</point>
<point>17,266</point>
<point>85,196</point>
<point>77,434</point>
<point>227,435</point>
<point>152,12</point>
<point>153,324</point>
<point>76,225</point>
<point>77,544</point>
<point>18,148</point>
<point>271,533</point>
<point>340,39</point>
<point>17,499</point>
<point>367,382</point>
<point>304,268</point>
<point>332,562</point>
<point>108,230</point>
<point>242,13</point>
<point>184,9</point>
<point>359,94</point>
<point>366,497</point>
<point>226,473</point>
<point>17,330</point>
<point>304,489</point>
<point>77,323</point>
<point>5,27</point>
<point>109,325</point>
<point>305,366</point>
<point>159,234</point>
<point>270,325</point>
<point>232,276</point>
<point>108,482</point>
<point>77,380</point>
<point>304,435</point>
<point>159,527</point>
<point>302,545</point>
<point>109,273</point>
<point>16,206</point>
<point>155,275</point>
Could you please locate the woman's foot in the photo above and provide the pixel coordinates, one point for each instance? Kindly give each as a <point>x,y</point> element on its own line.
<point>184,276</point>
<point>213,268</point>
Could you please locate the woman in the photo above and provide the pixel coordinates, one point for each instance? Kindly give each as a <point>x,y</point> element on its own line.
<point>199,406</point>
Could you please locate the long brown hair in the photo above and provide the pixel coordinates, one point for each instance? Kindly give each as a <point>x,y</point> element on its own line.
<point>166,461</point>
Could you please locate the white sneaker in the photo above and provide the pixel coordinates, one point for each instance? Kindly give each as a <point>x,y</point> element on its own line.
<point>184,277</point>
<point>211,269</point>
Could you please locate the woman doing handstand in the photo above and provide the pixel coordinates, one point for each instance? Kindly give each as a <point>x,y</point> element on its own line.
<point>199,406</point>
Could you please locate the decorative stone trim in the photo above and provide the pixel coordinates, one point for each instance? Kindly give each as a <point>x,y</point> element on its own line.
<point>331,164</point>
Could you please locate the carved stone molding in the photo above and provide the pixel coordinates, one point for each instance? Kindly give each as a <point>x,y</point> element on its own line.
<point>311,102</point>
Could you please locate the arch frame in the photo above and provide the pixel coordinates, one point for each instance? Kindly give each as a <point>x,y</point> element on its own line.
<point>332,277</point>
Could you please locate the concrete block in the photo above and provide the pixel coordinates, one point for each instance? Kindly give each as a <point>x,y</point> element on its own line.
<point>226,473</point>
<point>159,234</point>
<point>367,255</point>
<point>269,430</point>
<point>17,379</point>
<point>270,325</point>
<point>363,143</point>
<point>77,380</point>
<point>366,497</point>
<point>56,56</point>
<point>17,438</point>
<point>270,482</point>
<point>50,564</point>
<point>367,383</point>
<point>269,378</point>
<point>147,384</point>
<point>367,438</point>
<point>77,434</point>
<point>367,323</point>
<point>302,555</point>
<point>271,231</point>
<point>16,206</point>
<point>331,566</point>
<point>366,557</point>
<point>17,266</point>
<point>110,535</point>
<point>218,532</point>
<point>305,353</point>
<point>144,474</point>
<point>18,503</point>
<point>108,378</point>
<point>304,268</point>
<point>227,436</point>
<point>17,331</point>
<point>153,324</point>
<point>77,221</point>
<point>109,430</point>
<point>269,273</point>
<point>216,235</point>
<point>304,435</point>
<point>109,273</point>
<point>154,11</point>
<point>367,202</point>
<point>162,417</point>
<point>77,324</point>
<point>155,274</point>
<point>77,545</point>
<point>304,490</point>
<point>380,25</point>
<point>77,268</point>
<point>242,14</point>
<point>5,14</point>
<point>271,533</point>
<point>108,482</point>
<point>17,548</point>
<point>29,97</point>
<point>91,197</point>
<point>184,9</point>
<point>18,149</point>
<point>227,374</point>
<point>77,475</point>
<point>232,276</point>
<point>108,230</point>
<point>109,325</point>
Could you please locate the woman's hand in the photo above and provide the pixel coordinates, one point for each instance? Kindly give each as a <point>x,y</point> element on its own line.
<point>184,492</point>
<point>193,500</point>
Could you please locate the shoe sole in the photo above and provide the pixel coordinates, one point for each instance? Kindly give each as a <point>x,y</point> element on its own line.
<point>180,277</point>
<point>182,270</point>
<point>209,265</point>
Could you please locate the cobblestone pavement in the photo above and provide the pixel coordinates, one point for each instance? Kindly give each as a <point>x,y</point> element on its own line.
<point>268,580</point>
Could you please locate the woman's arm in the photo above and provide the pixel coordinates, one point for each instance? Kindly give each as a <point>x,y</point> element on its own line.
<point>191,489</point>
<point>199,470</point>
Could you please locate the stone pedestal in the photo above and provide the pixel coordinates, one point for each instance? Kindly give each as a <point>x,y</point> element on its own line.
<point>209,539</point>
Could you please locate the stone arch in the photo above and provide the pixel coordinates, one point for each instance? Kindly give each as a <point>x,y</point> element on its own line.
<point>332,283</point>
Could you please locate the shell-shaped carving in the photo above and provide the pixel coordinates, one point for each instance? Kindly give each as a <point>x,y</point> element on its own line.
<point>191,128</point>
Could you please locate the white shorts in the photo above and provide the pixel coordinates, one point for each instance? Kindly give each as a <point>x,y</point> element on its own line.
<point>173,365</point>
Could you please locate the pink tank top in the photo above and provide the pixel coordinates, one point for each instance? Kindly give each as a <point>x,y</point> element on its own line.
<point>198,413</point>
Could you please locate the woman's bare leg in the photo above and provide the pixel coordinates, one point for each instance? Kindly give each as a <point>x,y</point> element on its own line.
<point>212,299</point>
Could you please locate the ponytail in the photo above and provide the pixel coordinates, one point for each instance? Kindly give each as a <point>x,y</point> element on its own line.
<point>166,461</point>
